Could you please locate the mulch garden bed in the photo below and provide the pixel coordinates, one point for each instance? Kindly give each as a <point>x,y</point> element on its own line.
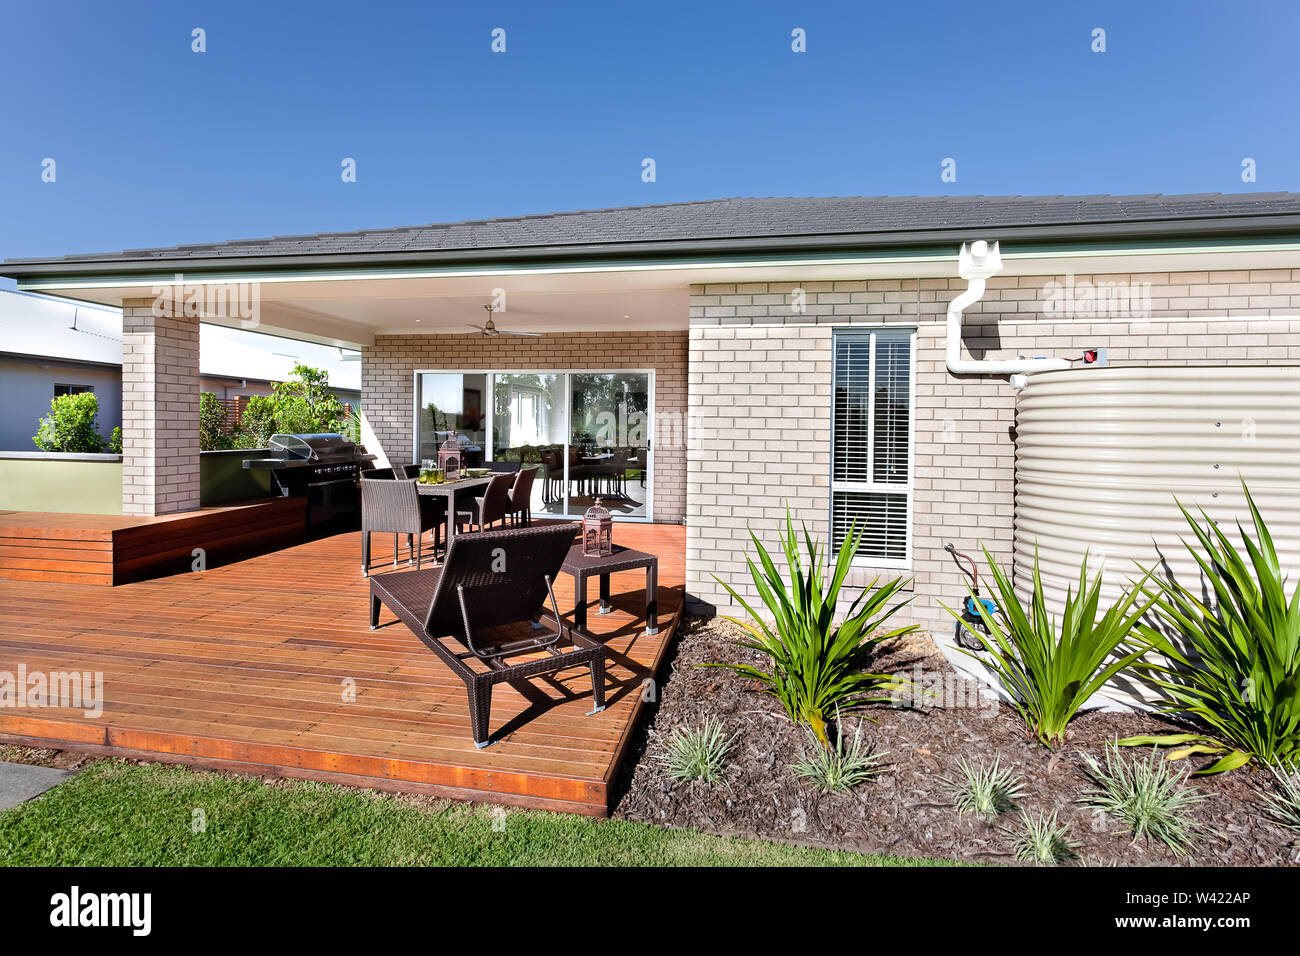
<point>907,810</point>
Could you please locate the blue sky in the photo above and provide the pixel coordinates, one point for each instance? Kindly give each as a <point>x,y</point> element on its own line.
<point>156,144</point>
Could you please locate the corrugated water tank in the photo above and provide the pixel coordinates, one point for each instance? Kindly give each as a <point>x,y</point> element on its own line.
<point>1101,455</point>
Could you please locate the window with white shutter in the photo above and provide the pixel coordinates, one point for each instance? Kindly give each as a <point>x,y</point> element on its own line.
<point>871,443</point>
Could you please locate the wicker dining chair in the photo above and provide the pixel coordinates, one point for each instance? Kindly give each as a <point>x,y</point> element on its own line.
<point>433,510</point>
<point>521,496</point>
<point>553,478</point>
<point>489,507</point>
<point>393,505</point>
<point>581,475</point>
<point>613,472</point>
<point>495,609</point>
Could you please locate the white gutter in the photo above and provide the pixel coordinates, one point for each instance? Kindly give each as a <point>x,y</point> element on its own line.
<point>976,263</point>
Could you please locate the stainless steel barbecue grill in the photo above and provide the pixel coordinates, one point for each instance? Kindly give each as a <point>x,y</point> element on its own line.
<point>323,468</point>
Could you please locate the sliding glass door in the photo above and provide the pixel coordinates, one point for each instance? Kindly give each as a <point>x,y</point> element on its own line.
<point>588,433</point>
<point>609,447</point>
<point>528,426</point>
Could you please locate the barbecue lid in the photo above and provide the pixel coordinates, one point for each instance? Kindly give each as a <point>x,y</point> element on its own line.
<point>311,447</point>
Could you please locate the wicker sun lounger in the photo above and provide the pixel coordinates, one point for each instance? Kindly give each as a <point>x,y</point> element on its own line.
<point>490,595</point>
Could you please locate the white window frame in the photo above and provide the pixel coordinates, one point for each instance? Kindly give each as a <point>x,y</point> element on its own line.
<point>876,487</point>
<point>489,402</point>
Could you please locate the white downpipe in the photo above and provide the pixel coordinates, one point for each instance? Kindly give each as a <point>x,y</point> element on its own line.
<point>976,263</point>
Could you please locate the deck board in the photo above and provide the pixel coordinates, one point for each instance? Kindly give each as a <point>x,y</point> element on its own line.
<point>243,666</point>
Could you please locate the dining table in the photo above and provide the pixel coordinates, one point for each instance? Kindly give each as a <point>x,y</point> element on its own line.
<point>465,487</point>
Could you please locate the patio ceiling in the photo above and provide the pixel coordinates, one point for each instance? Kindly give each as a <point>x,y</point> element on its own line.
<point>350,311</point>
<point>349,307</point>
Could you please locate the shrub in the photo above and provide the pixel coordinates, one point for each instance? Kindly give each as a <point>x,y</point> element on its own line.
<point>115,440</point>
<point>257,422</point>
<point>1283,803</point>
<point>1150,796</point>
<point>840,767</point>
<point>71,425</point>
<point>985,790</point>
<point>1241,676</point>
<point>817,666</point>
<point>697,753</point>
<point>1050,672</point>
<point>213,434</point>
<point>1041,839</point>
<point>305,404</point>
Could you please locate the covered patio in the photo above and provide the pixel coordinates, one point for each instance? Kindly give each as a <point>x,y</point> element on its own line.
<point>268,666</point>
<point>583,374</point>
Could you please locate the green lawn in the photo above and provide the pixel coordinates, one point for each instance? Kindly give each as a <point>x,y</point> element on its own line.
<point>116,814</point>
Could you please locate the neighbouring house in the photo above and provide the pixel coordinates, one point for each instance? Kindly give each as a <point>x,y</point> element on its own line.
<point>849,359</point>
<point>50,347</point>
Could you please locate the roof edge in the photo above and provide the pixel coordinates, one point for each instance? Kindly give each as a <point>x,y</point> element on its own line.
<point>1262,226</point>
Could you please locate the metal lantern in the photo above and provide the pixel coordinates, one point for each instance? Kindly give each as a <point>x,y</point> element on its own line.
<point>597,531</point>
<point>451,458</point>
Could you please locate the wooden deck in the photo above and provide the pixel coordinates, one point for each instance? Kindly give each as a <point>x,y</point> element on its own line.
<point>247,667</point>
<point>115,549</point>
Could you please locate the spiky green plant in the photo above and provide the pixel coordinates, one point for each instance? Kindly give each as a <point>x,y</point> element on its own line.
<point>817,666</point>
<point>1041,839</point>
<point>985,789</point>
<point>1283,801</point>
<point>1049,671</point>
<point>1240,673</point>
<point>839,767</point>
<point>1150,796</point>
<point>697,753</point>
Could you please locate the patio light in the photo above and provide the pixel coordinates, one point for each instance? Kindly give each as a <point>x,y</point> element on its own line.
<point>450,458</point>
<point>597,531</point>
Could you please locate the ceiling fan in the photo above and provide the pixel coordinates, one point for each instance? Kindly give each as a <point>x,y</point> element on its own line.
<point>490,329</point>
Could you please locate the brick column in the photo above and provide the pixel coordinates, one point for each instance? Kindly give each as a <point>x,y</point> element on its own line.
<point>160,411</point>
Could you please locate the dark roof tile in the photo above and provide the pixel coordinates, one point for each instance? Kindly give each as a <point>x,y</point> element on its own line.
<point>730,219</point>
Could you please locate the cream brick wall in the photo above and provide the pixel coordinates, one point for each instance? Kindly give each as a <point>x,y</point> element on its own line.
<point>160,411</point>
<point>388,386</point>
<point>760,401</point>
